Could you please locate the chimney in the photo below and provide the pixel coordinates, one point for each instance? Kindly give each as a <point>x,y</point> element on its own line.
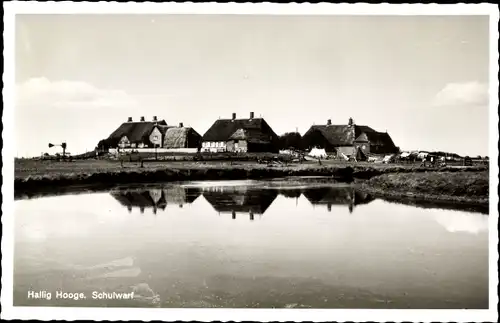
<point>329,122</point>
<point>142,119</point>
<point>251,115</point>
<point>129,119</point>
<point>234,116</point>
<point>155,118</point>
<point>351,122</point>
<point>181,125</point>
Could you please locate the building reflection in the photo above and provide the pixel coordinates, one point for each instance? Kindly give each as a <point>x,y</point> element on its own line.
<point>330,196</point>
<point>156,198</point>
<point>235,200</point>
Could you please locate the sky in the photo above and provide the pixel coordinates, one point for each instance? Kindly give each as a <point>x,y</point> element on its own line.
<point>423,79</point>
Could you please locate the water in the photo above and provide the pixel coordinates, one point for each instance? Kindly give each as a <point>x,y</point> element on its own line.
<point>247,244</point>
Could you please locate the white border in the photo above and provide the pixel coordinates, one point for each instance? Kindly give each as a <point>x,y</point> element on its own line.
<point>41,313</point>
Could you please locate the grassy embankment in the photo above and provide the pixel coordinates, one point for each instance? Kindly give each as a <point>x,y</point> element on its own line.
<point>454,184</point>
<point>467,187</point>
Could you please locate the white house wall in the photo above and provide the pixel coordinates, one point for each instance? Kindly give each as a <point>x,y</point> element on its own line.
<point>214,146</point>
<point>155,137</point>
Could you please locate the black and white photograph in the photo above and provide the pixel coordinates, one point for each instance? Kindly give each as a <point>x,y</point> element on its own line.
<point>250,162</point>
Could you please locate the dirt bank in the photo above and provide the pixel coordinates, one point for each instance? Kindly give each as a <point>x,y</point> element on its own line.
<point>464,187</point>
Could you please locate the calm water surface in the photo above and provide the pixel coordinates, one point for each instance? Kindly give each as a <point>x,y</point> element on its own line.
<point>248,244</point>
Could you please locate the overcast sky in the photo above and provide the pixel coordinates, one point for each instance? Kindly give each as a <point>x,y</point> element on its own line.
<point>424,79</point>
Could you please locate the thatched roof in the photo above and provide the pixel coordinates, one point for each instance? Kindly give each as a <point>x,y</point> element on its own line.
<point>251,136</point>
<point>377,138</point>
<point>340,135</point>
<point>176,137</point>
<point>223,129</point>
<point>136,132</point>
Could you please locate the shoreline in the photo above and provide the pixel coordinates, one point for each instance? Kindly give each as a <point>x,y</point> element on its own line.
<point>440,201</point>
<point>102,180</point>
<point>452,185</point>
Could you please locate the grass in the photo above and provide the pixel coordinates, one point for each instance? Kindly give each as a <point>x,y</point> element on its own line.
<point>457,186</point>
<point>27,167</point>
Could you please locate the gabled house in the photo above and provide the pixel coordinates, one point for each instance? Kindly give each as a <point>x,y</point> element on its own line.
<point>240,135</point>
<point>347,139</point>
<point>132,134</point>
<point>148,135</point>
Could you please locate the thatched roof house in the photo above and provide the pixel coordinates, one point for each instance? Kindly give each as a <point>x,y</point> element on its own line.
<point>249,135</point>
<point>241,200</point>
<point>347,138</point>
<point>131,134</point>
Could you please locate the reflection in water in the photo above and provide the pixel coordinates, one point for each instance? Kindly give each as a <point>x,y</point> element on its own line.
<point>156,198</point>
<point>337,196</point>
<point>298,255</point>
<point>238,199</point>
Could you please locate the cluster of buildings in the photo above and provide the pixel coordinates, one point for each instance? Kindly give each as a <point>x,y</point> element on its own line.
<point>245,135</point>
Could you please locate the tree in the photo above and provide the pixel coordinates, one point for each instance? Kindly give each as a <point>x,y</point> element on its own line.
<point>290,140</point>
